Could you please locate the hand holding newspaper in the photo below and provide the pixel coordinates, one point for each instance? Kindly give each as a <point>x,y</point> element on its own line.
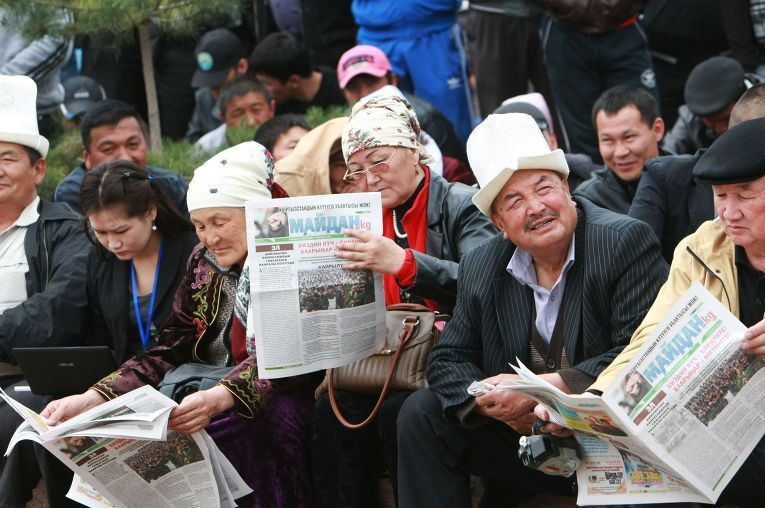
<point>678,424</point>
<point>123,455</point>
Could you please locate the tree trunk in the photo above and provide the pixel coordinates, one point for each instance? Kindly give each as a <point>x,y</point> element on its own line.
<point>152,105</point>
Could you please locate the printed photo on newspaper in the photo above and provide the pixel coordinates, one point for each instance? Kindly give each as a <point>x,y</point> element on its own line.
<point>310,312</point>
<point>677,424</point>
<point>123,455</point>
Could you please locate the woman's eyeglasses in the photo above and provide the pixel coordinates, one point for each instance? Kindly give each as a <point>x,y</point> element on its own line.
<point>377,167</point>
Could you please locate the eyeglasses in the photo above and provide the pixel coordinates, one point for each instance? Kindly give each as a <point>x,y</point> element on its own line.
<point>518,201</point>
<point>377,167</point>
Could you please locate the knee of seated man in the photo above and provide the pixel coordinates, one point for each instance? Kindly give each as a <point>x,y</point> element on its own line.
<point>416,411</point>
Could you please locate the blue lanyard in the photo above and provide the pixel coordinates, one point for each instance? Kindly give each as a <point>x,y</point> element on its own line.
<point>145,332</point>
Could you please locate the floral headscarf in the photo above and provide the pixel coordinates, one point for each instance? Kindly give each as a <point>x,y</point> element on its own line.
<point>383,121</point>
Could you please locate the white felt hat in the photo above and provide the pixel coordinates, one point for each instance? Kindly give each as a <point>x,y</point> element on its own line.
<point>503,144</point>
<point>18,113</point>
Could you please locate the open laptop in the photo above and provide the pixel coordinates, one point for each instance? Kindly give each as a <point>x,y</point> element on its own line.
<point>64,370</point>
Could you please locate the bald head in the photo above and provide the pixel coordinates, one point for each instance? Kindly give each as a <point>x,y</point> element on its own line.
<point>750,105</point>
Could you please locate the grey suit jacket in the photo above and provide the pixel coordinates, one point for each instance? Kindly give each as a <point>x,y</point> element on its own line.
<point>617,272</point>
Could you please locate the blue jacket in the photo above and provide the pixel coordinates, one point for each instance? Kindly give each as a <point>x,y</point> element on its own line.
<point>68,189</point>
<point>385,19</point>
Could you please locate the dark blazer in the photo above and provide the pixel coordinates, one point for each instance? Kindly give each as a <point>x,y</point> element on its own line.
<point>109,292</point>
<point>455,226</point>
<point>670,201</point>
<point>617,271</point>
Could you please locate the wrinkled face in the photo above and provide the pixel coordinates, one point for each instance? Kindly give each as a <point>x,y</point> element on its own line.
<point>125,237</point>
<point>396,181</point>
<point>222,231</point>
<point>534,209</point>
<point>124,141</point>
<point>719,121</point>
<point>250,109</point>
<point>19,179</point>
<point>626,142</point>
<point>286,142</point>
<point>741,208</point>
<point>279,90</point>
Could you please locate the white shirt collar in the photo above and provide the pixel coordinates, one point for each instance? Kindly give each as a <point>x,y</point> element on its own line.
<point>521,266</point>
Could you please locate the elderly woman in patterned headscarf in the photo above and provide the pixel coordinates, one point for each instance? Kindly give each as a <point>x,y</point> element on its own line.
<point>428,225</point>
<point>261,426</point>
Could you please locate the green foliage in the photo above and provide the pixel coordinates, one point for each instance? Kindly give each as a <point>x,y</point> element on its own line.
<point>64,155</point>
<point>113,21</point>
<point>316,116</point>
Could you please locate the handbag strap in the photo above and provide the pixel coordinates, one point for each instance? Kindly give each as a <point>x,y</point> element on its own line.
<point>410,325</point>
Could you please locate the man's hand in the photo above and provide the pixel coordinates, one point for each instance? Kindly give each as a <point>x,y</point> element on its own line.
<point>754,340</point>
<point>373,252</point>
<point>196,410</point>
<point>61,410</point>
<point>509,407</point>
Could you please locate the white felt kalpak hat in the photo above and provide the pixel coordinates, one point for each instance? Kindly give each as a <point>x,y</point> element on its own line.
<point>503,144</point>
<point>18,113</point>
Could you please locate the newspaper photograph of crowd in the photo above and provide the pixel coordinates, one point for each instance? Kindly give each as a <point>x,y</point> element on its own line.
<point>337,288</point>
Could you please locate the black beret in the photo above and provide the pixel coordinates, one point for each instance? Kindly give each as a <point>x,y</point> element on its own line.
<point>713,85</point>
<point>524,107</point>
<point>737,156</point>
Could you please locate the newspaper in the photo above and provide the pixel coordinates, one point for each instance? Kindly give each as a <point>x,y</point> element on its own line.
<point>309,312</point>
<point>123,455</point>
<point>679,423</point>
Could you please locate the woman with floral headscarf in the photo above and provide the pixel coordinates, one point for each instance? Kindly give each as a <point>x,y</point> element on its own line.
<point>428,225</point>
<point>261,426</point>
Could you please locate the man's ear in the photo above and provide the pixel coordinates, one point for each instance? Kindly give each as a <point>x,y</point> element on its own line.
<point>86,158</point>
<point>272,107</point>
<point>293,82</point>
<point>658,128</point>
<point>494,218</point>
<point>242,66</point>
<point>39,171</point>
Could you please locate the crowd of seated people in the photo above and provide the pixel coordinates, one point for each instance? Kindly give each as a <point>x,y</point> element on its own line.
<point>556,258</point>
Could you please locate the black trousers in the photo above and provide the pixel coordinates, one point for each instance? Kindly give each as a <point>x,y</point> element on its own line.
<point>505,53</point>
<point>582,66</point>
<point>347,464</point>
<point>437,458</point>
<point>22,469</point>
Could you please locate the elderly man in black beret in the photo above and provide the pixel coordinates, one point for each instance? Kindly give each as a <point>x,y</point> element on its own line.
<point>712,89</point>
<point>727,256</point>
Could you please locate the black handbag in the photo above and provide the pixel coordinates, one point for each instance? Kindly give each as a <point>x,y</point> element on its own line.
<point>190,378</point>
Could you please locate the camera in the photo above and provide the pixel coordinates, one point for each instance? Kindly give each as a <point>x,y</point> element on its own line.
<point>550,454</point>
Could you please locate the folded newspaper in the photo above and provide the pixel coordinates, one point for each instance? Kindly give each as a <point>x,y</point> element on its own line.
<point>123,455</point>
<point>680,421</point>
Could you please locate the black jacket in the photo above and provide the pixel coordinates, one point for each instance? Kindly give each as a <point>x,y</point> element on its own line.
<point>607,190</point>
<point>455,227</point>
<point>616,274</point>
<point>670,201</point>
<point>56,250</point>
<point>109,293</point>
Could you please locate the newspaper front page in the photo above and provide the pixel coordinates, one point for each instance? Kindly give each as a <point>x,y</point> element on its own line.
<point>680,421</point>
<point>123,455</point>
<point>309,312</point>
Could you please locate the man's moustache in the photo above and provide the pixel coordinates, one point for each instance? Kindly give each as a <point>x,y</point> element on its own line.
<point>535,218</point>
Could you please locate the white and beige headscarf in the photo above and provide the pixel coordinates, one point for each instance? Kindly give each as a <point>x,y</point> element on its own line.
<point>383,121</point>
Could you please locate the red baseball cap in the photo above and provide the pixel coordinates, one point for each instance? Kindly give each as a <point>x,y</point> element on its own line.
<point>362,59</point>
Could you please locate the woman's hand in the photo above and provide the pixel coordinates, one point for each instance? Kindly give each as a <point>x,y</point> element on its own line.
<point>61,410</point>
<point>196,410</point>
<point>754,340</point>
<point>373,252</point>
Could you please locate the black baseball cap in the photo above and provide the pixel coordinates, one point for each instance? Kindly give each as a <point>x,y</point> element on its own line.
<point>80,94</point>
<point>217,52</point>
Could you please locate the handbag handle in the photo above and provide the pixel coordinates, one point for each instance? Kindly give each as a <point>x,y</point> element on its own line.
<point>408,330</point>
